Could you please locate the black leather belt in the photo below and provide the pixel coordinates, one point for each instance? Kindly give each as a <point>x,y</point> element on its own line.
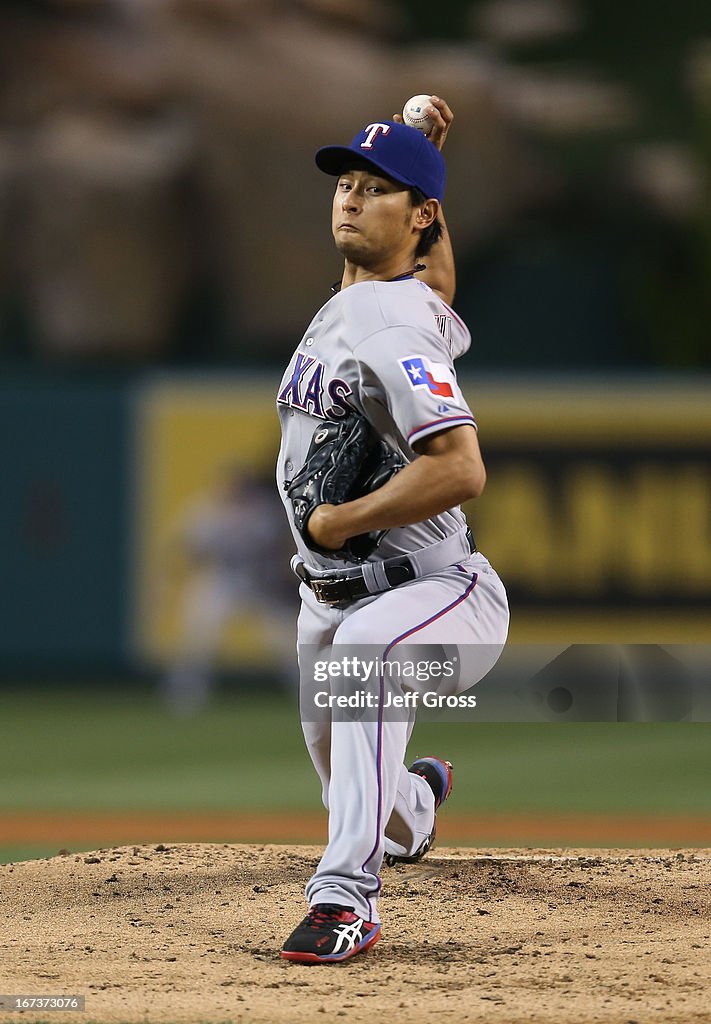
<point>351,587</point>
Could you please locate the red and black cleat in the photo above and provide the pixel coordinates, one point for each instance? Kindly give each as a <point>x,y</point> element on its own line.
<point>329,934</point>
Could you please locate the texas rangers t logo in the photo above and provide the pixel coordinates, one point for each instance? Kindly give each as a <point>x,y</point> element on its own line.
<point>421,373</point>
<point>374,130</point>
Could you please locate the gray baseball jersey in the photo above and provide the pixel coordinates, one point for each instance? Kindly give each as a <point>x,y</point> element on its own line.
<point>387,349</point>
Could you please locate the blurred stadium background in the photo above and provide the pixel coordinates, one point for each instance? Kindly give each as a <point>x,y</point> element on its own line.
<point>163,241</point>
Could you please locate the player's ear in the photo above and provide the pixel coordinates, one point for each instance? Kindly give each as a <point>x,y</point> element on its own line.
<point>427,213</point>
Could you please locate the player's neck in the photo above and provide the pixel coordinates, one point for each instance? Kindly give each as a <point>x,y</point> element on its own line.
<point>393,270</point>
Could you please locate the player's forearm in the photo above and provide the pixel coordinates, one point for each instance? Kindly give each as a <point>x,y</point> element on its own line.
<point>428,486</point>
<point>440,274</point>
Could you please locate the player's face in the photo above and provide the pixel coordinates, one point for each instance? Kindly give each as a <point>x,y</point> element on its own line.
<point>372,219</point>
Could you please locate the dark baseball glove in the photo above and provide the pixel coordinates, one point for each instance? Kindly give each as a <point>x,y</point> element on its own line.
<point>345,460</point>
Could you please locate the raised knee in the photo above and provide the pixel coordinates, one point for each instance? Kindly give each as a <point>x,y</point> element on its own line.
<point>353,633</point>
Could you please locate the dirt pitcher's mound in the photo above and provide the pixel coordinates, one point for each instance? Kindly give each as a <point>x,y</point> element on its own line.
<point>191,934</point>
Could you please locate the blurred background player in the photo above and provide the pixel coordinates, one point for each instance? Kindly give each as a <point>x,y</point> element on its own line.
<point>226,539</point>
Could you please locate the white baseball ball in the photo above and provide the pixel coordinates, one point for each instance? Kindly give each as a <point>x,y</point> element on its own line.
<point>413,113</point>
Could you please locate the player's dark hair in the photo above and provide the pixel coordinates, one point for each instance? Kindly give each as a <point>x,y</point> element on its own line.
<point>432,233</point>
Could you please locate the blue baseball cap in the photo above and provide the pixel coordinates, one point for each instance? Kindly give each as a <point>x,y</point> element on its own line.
<point>400,152</point>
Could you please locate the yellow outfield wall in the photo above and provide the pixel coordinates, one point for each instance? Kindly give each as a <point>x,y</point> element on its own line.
<point>597,510</point>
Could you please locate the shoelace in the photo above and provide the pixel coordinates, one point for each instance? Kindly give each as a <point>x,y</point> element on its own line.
<point>323,914</point>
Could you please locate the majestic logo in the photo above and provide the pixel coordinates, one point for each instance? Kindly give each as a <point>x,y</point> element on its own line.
<point>303,387</point>
<point>422,373</point>
<point>374,130</point>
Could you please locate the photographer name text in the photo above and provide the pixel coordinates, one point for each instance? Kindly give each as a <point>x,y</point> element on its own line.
<point>410,699</point>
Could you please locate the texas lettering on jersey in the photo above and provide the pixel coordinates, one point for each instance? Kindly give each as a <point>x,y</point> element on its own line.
<point>304,388</point>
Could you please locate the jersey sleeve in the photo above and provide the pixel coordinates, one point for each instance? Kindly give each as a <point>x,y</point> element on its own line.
<point>412,372</point>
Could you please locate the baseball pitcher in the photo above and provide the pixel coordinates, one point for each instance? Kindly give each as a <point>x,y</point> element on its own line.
<point>379,449</point>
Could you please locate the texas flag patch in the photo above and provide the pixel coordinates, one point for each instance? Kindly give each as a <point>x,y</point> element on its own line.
<point>423,373</point>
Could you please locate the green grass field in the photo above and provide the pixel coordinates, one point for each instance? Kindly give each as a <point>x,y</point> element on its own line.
<point>106,750</point>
